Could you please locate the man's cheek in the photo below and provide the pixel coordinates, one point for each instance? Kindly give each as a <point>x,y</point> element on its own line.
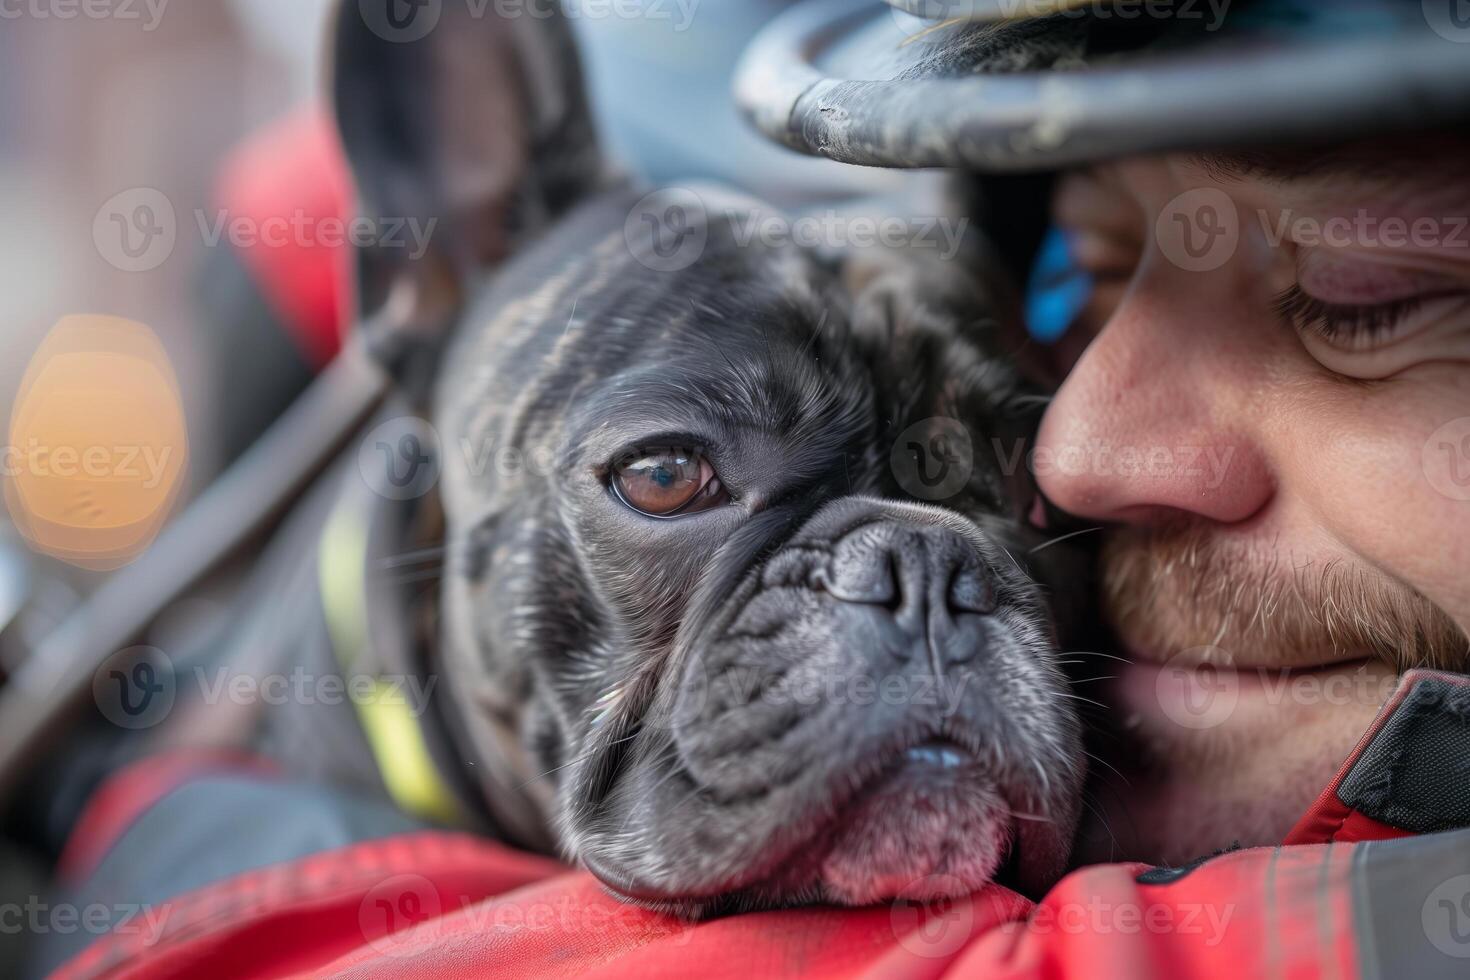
<point>1439,515</point>
<point>1444,524</point>
<point>1394,488</point>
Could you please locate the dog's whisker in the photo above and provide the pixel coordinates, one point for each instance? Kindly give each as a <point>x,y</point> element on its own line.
<point>1078,697</point>
<point>578,759</point>
<point>413,557</point>
<point>1093,809</point>
<point>1095,653</point>
<point>1107,765</point>
<point>1059,539</point>
<point>572,318</point>
<point>1012,558</point>
<point>1042,776</point>
<point>555,769</point>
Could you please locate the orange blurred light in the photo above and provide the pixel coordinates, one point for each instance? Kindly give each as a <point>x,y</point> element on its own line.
<point>98,444</point>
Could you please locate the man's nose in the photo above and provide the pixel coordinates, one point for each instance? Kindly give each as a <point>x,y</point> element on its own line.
<point>1157,418</point>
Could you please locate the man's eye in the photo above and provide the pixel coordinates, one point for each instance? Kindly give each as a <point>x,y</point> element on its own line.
<point>1356,328</point>
<point>667,482</point>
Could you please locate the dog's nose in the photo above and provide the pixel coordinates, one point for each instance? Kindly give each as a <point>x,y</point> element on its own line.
<point>924,577</point>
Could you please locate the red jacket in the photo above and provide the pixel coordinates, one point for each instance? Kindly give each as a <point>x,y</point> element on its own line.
<point>1345,900</point>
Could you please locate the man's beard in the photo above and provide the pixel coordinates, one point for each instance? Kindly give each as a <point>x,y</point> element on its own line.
<point>1180,596</point>
<point>1170,589</point>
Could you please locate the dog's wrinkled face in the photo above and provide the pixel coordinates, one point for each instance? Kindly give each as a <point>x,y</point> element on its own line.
<point>691,611</point>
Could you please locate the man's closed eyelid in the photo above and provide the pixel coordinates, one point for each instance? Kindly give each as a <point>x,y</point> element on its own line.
<point>1335,277</point>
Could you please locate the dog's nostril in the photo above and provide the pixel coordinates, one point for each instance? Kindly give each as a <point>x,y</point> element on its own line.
<point>870,584</point>
<point>894,598</point>
<point>970,591</point>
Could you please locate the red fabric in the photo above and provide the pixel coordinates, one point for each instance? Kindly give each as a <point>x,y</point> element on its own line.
<point>1330,819</point>
<point>290,191</point>
<point>465,907</point>
<point>292,918</point>
<point>440,905</point>
<point>127,795</point>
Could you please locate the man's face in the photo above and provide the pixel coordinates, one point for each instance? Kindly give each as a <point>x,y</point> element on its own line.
<point>1271,416</point>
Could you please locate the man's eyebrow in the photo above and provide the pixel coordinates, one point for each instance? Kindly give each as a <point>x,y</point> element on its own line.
<point>1419,158</point>
<point>1287,165</point>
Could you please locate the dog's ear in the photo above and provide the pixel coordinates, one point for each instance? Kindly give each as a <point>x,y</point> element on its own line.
<point>460,116</point>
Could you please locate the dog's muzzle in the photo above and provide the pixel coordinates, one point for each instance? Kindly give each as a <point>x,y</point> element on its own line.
<point>874,712</point>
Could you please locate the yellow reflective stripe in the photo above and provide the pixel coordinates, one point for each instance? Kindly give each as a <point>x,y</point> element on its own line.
<point>393,734</point>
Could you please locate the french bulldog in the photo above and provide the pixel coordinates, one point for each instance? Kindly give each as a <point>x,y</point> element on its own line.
<point>730,633</point>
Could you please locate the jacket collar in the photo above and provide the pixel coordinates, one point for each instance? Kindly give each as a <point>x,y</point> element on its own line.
<point>1407,775</point>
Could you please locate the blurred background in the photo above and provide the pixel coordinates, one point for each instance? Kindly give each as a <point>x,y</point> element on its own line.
<point>93,107</point>
<point>161,94</point>
<point>123,119</point>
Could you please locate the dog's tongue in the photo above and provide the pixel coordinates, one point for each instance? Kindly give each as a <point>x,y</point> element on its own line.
<point>933,825</point>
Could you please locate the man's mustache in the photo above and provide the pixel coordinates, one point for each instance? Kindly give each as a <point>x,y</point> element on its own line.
<point>1173,588</point>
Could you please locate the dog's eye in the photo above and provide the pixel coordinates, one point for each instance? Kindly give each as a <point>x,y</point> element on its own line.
<point>666,482</point>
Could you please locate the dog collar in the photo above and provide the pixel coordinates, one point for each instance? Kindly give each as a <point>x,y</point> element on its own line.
<point>398,743</point>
